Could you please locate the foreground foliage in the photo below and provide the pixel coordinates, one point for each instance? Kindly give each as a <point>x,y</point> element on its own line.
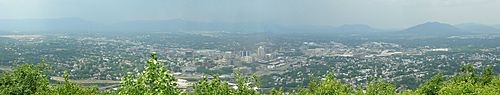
<point>157,80</point>
<point>154,80</point>
<point>30,80</point>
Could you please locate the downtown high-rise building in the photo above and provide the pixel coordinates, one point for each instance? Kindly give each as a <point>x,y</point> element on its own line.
<point>244,53</point>
<point>261,52</point>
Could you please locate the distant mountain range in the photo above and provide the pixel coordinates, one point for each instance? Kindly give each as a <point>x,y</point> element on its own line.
<point>355,28</point>
<point>477,28</point>
<point>176,25</point>
<point>434,28</point>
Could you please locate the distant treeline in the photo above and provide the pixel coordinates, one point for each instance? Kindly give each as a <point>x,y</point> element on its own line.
<point>157,80</point>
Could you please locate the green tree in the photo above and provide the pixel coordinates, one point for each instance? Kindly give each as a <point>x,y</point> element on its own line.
<point>487,75</point>
<point>466,74</point>
<point>491,88</point>
<point>212,87</point>
<point>409,92</point>
<point>154,80</point>
<point>328,86</point>
<point>246,85</point>
<point>277,92</point>
<point>380,87</point>
<point>28,79</point>
<point>457,88</point>
<point>68,88</point>
<point>462,83</point>
<point>432,86</point>
<point>25,80</point>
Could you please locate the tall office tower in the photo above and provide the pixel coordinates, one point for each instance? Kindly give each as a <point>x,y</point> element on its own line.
<point>261,52</point>
<point>244,53</point>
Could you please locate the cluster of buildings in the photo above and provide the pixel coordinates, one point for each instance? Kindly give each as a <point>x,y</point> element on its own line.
<point>99,58</point>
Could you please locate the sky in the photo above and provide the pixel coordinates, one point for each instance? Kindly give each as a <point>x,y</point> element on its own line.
<point>376,13</point>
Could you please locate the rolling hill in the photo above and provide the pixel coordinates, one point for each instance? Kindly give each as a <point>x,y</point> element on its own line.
<point>477,28</point>
<point>434,29</point>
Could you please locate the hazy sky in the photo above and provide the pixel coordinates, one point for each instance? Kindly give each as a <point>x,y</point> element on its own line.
<point>377,13</point>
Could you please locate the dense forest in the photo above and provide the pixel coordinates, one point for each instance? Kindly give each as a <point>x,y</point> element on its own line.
<point>31,79</point>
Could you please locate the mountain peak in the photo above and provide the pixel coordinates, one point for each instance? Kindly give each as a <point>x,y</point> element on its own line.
<point>434,28</point>
<point>435,24</point>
